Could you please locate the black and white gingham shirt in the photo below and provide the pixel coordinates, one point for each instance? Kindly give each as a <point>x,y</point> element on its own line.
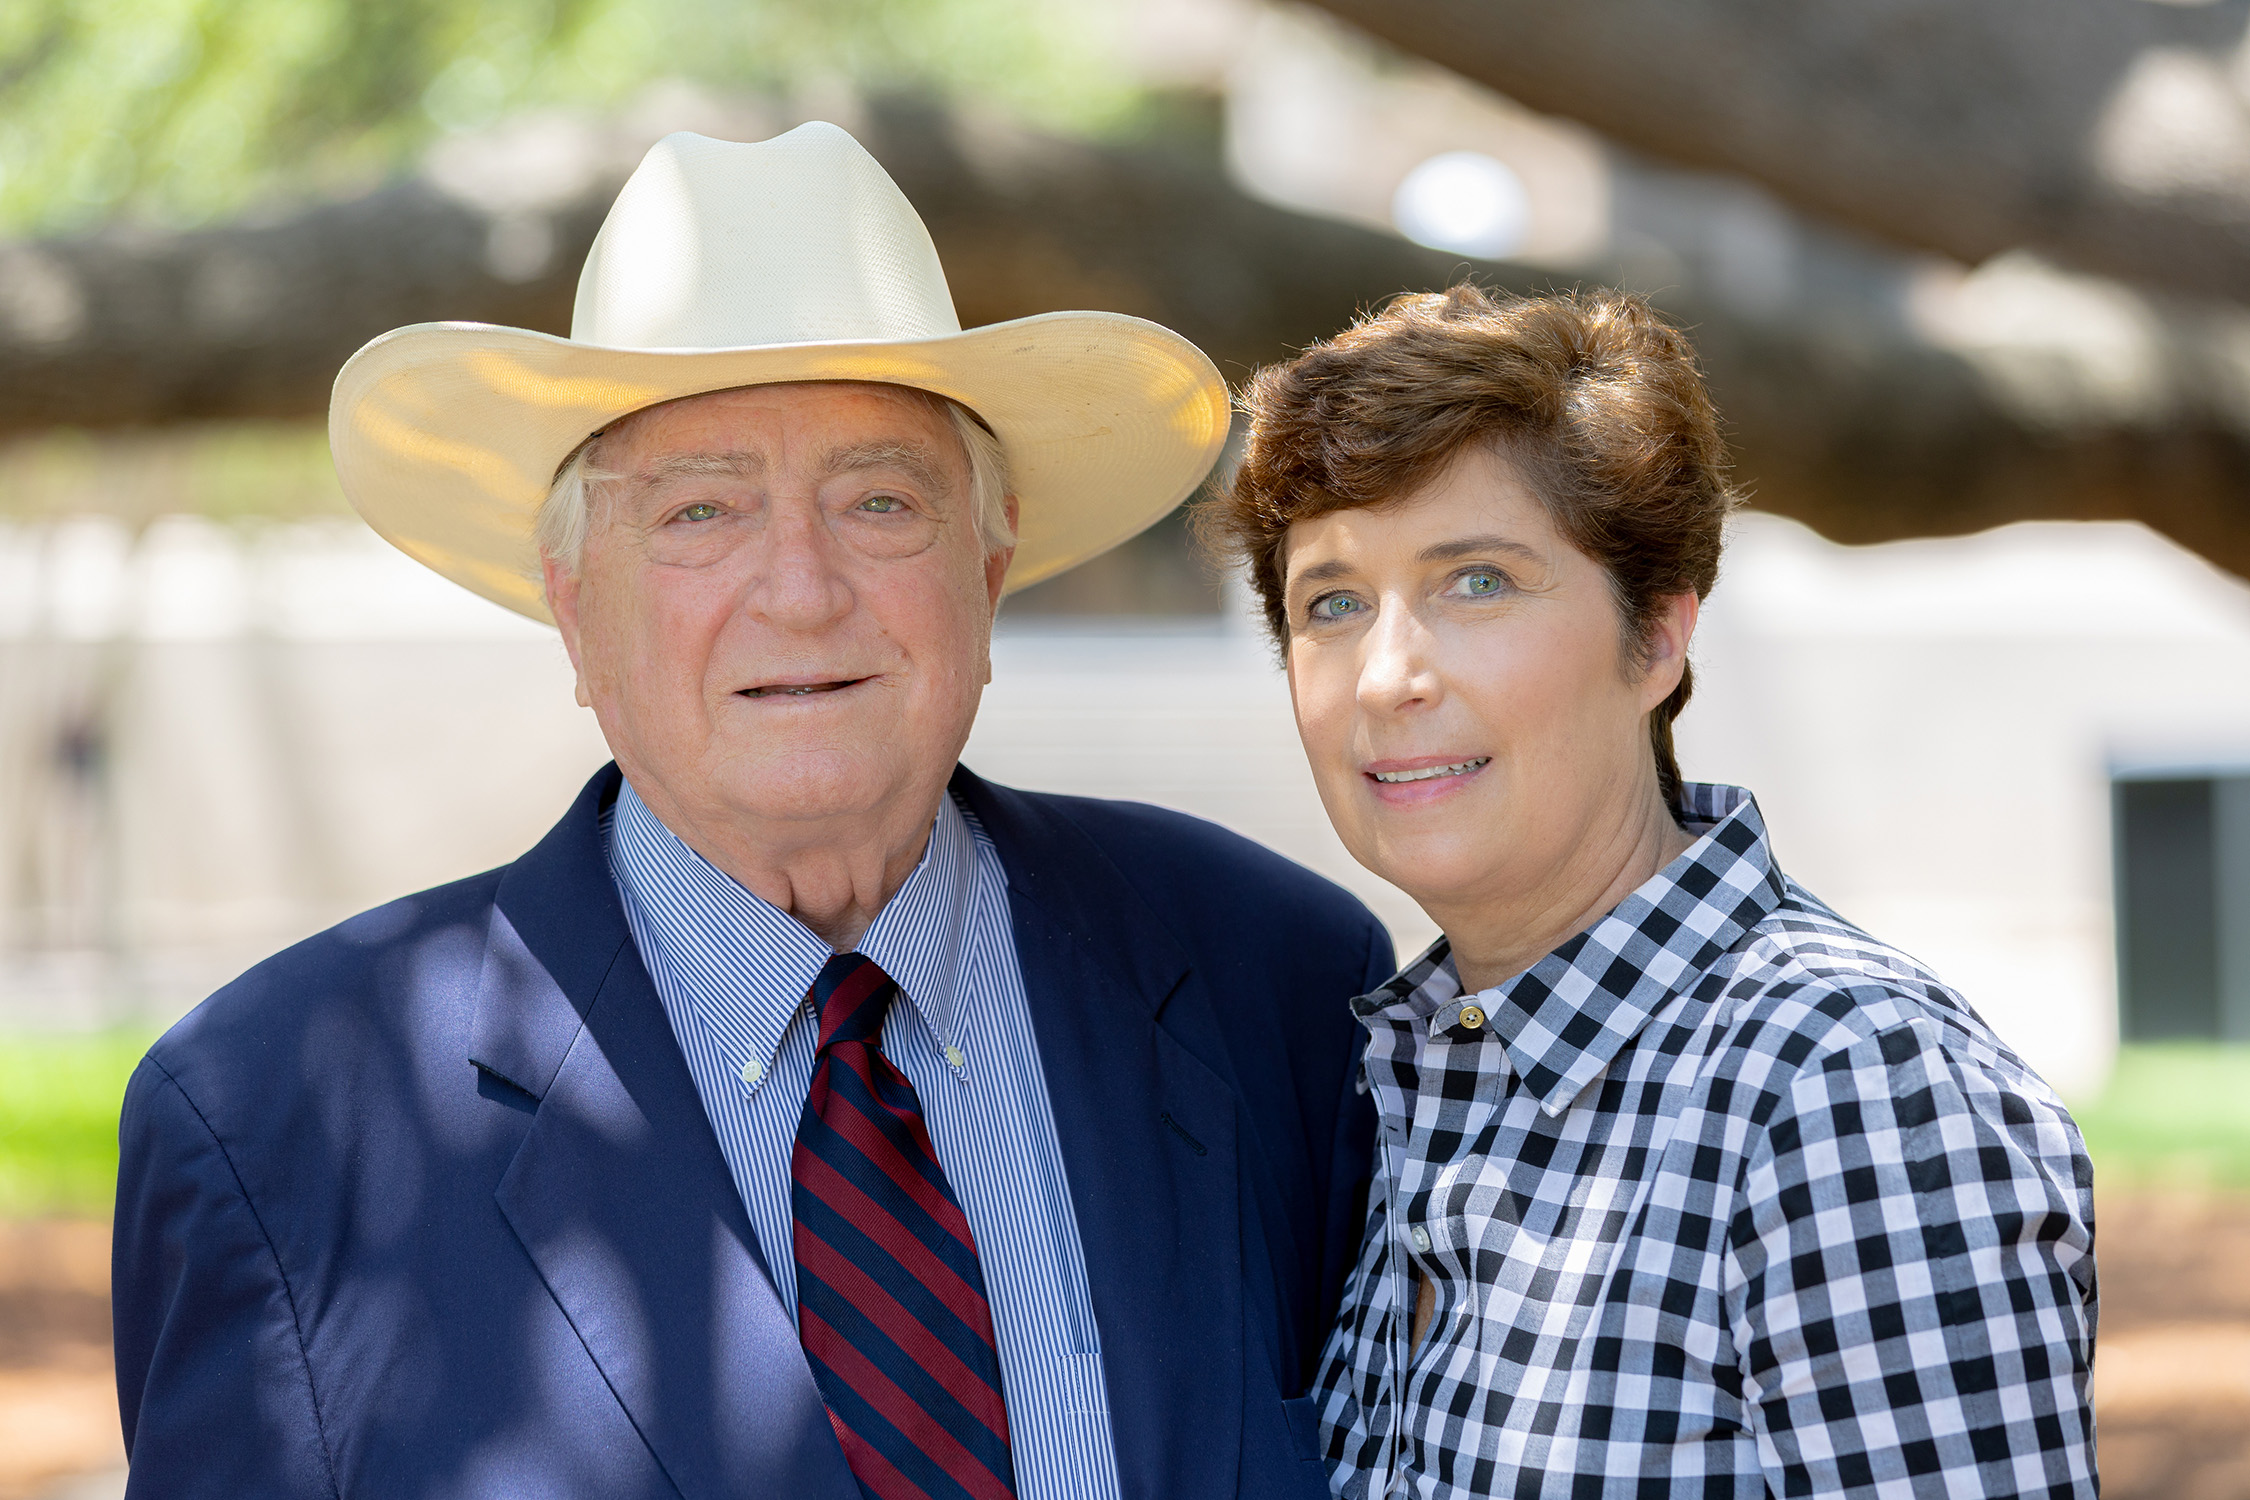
<point>1722,1198</point>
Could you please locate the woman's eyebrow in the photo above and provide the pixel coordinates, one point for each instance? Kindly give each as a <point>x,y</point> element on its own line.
<point>1321,572</point>
<point>1471,546</point>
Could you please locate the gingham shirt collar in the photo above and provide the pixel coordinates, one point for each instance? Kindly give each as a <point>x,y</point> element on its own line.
<point>1562,1020</point>
<point>690,905</point>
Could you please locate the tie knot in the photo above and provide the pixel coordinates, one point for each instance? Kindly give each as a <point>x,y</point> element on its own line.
<point>851,997</point>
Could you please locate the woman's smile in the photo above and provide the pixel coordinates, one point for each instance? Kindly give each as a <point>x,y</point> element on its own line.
<point>1425,779</point>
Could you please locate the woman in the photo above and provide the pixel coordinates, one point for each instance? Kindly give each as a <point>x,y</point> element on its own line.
<point>1684,1185</point>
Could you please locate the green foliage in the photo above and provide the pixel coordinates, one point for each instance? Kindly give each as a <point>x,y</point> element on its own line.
<point>58,1120</point>
<point>177,110</point>
<point>2172,1115</point>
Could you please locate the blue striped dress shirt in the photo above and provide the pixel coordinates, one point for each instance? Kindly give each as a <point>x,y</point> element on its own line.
<point>733,972</point>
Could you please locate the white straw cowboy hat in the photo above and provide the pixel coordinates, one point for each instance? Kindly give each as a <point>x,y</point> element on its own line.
<point>723,265</point>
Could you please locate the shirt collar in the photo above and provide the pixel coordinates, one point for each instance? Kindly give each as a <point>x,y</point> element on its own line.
<point>747,966</point>
<point>1566,1017</point>
<point>920,935</point>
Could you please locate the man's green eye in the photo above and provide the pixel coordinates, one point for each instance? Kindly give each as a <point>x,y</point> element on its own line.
<point>882,505</point>
<point>1481,583</point>
<point>700,512</point>
<point>1336,606</point>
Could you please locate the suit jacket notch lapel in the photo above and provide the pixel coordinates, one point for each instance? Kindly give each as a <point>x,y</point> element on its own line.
<point>557,929</point>
<point>620,1196</point>
<point>1051,863</point>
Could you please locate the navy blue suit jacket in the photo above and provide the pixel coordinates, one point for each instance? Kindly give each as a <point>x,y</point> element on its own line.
<point>428,1205</point>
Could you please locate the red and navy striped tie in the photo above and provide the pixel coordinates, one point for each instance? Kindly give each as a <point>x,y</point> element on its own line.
<point>890,1303</point>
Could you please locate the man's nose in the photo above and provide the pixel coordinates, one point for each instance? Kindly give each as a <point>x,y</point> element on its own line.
<point>1395,668</point>
<point>800,581</point>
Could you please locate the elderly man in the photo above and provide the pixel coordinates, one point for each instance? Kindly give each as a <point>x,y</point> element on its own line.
<point>804,1116</point>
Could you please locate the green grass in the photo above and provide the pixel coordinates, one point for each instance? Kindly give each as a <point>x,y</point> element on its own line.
<point>2172,1116</point>
<point>2175,1114</point>
<point>58,1120</point>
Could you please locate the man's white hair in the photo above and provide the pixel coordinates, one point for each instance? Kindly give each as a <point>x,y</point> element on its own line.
<point>565,516</point>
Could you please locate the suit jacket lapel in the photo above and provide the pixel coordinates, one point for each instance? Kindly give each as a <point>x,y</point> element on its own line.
<point>621,1197</point>
<point>1148,1138</point>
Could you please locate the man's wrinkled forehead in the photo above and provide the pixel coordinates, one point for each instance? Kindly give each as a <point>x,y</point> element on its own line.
<point>805,396</point>
<point>932,458</point>
<point>918,461</point>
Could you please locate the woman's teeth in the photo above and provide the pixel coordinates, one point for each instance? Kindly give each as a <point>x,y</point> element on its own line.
<point>1430,773</point>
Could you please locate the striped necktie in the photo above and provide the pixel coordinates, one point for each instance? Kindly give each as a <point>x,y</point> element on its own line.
<point>890,1302</point>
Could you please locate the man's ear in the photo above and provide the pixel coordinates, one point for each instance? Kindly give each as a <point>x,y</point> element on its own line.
<point>561,585</point>
<point>1665,651</point>
<point>996,563</point>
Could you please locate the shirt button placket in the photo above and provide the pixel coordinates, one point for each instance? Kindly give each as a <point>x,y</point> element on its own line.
<point>1394,1384</point>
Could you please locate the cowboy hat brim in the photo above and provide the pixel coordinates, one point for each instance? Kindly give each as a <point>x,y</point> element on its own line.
<point>447,436</point>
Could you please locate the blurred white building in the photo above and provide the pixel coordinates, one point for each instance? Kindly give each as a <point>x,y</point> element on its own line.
<point>308,723</point>
<point>1936,730</point>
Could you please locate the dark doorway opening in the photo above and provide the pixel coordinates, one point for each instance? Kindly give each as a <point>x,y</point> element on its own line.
<point>2182,845</point>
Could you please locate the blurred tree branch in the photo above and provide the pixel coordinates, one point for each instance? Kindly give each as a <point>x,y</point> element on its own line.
<point>29,59</point>
<point>1867,404</point>
<point>2109,135</point>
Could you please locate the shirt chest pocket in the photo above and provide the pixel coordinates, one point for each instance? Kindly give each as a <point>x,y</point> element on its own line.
<point>1516,1265</point>
<point>1079,1386</point>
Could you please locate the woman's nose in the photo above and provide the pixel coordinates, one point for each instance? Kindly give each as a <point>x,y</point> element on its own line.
<point>1394,671</point>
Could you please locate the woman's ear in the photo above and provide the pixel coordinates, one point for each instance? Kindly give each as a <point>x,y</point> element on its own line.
<point>1665,651</point>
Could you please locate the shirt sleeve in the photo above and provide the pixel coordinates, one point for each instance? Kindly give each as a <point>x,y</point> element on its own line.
<point>212,1380</point>
<point>1910,1279</point>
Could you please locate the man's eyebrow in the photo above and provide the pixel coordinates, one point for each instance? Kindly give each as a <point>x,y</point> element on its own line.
<point>731,465</point>
<point>1471,546</point>
<point>912,459</point>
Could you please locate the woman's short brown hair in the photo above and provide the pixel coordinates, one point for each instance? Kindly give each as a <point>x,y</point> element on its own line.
<point>1592,396</point>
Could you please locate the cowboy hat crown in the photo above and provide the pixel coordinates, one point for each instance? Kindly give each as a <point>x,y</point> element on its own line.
<point>689,257</point>
<point>724,264</point>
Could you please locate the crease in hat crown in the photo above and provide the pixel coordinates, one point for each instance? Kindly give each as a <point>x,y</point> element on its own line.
<point>705,230</point>
<point>725,264</point>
